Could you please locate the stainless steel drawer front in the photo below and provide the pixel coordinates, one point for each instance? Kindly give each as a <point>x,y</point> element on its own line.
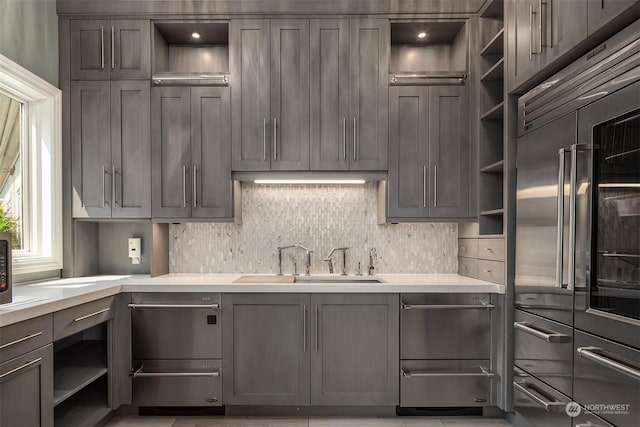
<point>445,383</point>
<point>467,318</point>
<point>177,383</point>
<point>544,349</point>
<point>176,326</point>
<point>539,403</point>
<point>607,379</point>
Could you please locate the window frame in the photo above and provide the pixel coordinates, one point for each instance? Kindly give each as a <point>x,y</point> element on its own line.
<point>41,117</point>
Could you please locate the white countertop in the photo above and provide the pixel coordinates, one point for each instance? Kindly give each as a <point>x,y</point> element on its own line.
<point>47,297</point>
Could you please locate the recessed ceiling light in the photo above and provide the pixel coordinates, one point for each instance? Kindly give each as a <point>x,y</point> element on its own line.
<point>195,35</point>
<point>422,35</point>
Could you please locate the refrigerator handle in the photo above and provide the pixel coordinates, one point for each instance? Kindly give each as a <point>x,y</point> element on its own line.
<point>572,216</point>
<point>560,237</point>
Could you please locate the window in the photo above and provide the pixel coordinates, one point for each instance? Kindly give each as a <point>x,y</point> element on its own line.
<point>30,169</point>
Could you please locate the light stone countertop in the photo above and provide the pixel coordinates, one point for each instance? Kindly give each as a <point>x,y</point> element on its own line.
<point>48,297</point>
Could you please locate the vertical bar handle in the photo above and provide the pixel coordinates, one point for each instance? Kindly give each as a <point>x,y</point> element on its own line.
<point>184,186</point>
<point>560,203</point>
<point>344,138</point>
<point>304,329</point>
<point>264,139</point>
<point>275,138</point>
<point>530,32</point>
<point>316,324</point>
<point>354,138</point>
<point>540,18</point>
<point>195,186</point>
<point>102,47</point>
<point>572,216</point>
<point>103,185</point>
<point>114,195</point>
<point>113,45</point>
<point>424,186</point>
<point>435,186</point>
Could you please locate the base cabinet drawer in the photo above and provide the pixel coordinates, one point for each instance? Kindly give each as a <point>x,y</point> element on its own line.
<point>468,267</point>
<point>445,383</point>
<point>491,249</point>
<point>468,248</point>
<point>177,383</point>
<point>75,319</point>
<point>26,336</point>
<point>540,404</point>
<point>491,271</point>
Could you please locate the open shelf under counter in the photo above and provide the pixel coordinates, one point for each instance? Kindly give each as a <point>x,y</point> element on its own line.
<point>77,366</point>
<point>495,113</point>
<point>495,46</point>
<point>88,408</point>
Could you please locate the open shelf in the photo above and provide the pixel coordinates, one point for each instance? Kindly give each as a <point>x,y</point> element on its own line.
<point>494,73</point>
<point>88,408</point>
<point>495,9</point>
<point>492,212</point>
<point>495,167</point>
<point>495,46</point>
<point>77,366</point>
<point>494,113</point>
<point>491,226</point>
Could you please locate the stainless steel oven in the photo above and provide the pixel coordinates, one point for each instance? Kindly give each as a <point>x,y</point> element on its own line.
<point>607,300</point>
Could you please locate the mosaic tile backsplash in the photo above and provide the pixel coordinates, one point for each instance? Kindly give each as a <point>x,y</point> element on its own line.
<point>320,217</point>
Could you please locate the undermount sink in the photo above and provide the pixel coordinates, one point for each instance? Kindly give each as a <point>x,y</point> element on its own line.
<point>338,279</point>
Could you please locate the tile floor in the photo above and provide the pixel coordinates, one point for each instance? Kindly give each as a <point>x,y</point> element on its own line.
<point>125,421</point>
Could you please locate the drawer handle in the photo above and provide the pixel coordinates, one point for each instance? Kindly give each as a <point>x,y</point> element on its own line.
<point>483,373</point>
<point>104,310</point>
<point>211,400</point>
<point>214,306</point>
<point>487,271</point>
<point>140,374</point>
<point>550,337</point>
<point>592,353</point>
<point>19,368</point>
<point>488,249</point>
<point>483,304</point>
<point>548,406</point>
<point>18,341</point>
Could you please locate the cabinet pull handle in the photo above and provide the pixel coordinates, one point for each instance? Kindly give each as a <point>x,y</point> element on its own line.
<point>354,139</point>
<point>344,138</point>
<point>424,186</point>
<point>102,48</point>
<point>104,171</point>
<point>550,337</point>
<point>482,305</point>
<point>184,186</point>
<point>304,329</point>
<point>592,353</point>
<point>140,374</point>
<point>21,367</point>
<point>560,218</point>
<point>18,341</point>
<point>114,196</point>
<point>548,405</point>
<point>530,32</point>
<point>113,44</point>
<point>195,186</point>
<point>275,138</point>
<point>435,186</point>
<point>81,318</point>
<point>316,322</point>
<point>573,180</point>
<point>264,139</point>
<point>483,373</point>
<point>213,306</point>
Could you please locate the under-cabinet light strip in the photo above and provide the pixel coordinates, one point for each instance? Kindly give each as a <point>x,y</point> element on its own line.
<point>309,181</point>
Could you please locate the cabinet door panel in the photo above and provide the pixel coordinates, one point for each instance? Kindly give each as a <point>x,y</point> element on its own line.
<point>131,50</point>
<point>91,149</point>
<point>408,152</point>
<point>356,361</point>
<point>266,358</point>
<point>564,26</point>
<point>26,395</point>
<point>329,40</point>
<point>521,26</point>
<point>449,151</point>
<point>600,12</point>
<point>290,94</point>
<point>211,152</point>
<point>90,49</point>
<point>171,157</point>
<point>131,149</point>
<point>369,95</point>
<point>249,63</point>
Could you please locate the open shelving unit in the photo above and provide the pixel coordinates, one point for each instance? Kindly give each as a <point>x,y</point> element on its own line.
<point>491,140</point>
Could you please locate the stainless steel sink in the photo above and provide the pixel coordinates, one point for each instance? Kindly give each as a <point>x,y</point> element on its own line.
<point>338,279</point>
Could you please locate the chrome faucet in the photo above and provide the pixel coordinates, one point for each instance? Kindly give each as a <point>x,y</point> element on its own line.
<point>344,260</point>
<point>373,257</point>
<point>307,258</point>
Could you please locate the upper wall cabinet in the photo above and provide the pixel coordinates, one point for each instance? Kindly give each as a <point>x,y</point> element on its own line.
<point>309,95</point>
<point>110,50</point>
<point>110,145</point>
<point>601,12</point>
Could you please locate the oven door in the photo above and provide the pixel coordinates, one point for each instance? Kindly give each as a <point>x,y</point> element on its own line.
<point>607,255</point>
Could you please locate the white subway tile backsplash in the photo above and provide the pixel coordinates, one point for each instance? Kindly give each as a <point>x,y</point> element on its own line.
<point>320,217</point>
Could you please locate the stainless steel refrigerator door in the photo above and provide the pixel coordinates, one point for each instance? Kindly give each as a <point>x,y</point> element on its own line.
<point>544,161</point>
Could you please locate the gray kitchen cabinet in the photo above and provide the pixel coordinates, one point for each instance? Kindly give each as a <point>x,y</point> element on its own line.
<point>355,349</point>
<point>191,152</point>
<point>110,50</point>
<point>369,94</point>
<point>249,63</point>
<point>266,349</point>
<point>290,94</point>
<point>26,389</point>
<point>564,25</point>
<point>110,149</point>
<point>520,32</point>
<point>601,12</point>
<point>330,119</point>
<point>428,153</point>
